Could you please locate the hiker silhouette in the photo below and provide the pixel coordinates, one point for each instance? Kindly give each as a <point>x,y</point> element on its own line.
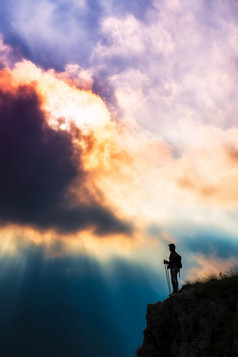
<point>174,264</point>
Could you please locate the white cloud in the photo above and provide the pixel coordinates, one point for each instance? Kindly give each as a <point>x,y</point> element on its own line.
<point>128,36</point>
<point>179,65</point>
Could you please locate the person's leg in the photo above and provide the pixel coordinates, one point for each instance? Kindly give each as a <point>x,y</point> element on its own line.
<point>174,279</point>
<point>176,288</point>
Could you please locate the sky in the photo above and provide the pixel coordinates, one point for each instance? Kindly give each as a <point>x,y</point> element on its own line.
<point>118,136</point>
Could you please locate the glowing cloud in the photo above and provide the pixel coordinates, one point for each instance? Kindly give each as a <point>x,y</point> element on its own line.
<point>47,129</point>
<point>118,135</point>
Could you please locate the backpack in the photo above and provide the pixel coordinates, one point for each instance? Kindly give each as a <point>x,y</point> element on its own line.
<point>179,261</point>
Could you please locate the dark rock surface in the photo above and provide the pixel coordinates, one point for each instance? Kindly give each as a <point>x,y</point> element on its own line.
<point>201,322</point>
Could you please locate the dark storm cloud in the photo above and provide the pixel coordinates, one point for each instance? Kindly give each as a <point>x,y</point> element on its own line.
<point>38,166</point>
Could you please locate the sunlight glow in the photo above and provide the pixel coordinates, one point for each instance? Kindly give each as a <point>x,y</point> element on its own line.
<point>59,99</point>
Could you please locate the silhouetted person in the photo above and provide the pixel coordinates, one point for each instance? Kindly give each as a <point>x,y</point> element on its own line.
<point>174,264</point>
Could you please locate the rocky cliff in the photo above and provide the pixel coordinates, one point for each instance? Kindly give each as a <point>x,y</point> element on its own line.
<point>202,320</point>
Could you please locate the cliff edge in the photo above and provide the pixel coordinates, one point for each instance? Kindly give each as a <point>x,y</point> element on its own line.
<point>202,320</point>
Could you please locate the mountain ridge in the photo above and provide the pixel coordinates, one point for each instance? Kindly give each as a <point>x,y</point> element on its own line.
<point>200,321</point>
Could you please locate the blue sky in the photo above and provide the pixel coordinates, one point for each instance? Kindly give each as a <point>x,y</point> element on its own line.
<point>118,136</point>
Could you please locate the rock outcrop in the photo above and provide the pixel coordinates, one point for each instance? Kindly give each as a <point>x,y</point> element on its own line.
<point>198,322</point>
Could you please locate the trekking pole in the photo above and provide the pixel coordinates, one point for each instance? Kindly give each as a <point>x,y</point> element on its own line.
<point>167,277</point>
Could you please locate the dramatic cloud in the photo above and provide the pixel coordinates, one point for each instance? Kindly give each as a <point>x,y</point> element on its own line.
<point>118,112</point>
<point>39,166</point>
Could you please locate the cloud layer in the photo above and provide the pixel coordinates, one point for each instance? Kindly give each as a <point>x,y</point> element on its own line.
<point>117,119</point>
<point>40,166</point>
<point>167,72</point>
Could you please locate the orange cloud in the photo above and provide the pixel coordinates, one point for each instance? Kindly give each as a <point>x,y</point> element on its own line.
<point>58,136</point>
<point>124,172</point>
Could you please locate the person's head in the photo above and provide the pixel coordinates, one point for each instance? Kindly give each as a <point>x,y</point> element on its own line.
<point>172,247</point>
